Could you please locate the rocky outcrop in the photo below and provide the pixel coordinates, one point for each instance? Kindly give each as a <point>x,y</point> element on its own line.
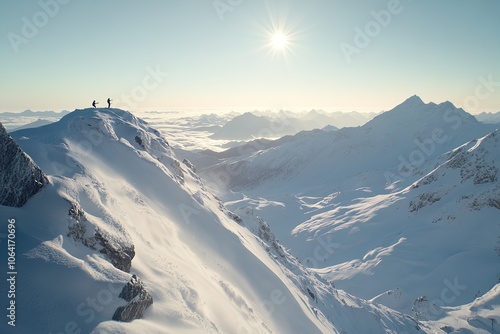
<point>138,298</point>
<point>424,309</point>
<point>119,254</point>
<point>473,167</point>
<point>423,200</point>
<point>20,177</point>
<point>264,232</point>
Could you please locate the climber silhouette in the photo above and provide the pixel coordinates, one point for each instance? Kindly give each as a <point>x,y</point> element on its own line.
<point>109,102</point>
<point>94,104</point>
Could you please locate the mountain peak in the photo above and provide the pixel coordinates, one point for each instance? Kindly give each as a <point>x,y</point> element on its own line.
<point>413,101</point>
<point>447,105</point>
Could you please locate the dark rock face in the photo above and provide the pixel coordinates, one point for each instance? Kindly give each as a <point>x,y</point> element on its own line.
<point>139,300</point>
<point>120,255</point>
<point>20,177</point>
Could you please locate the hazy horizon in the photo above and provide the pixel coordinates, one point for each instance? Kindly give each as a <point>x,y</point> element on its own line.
<point>200,111</point>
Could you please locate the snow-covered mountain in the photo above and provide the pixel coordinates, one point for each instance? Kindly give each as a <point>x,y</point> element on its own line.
<point>271,125</point>
<point>403,210</point>
<point>390,148</point>
<point>124,230</point>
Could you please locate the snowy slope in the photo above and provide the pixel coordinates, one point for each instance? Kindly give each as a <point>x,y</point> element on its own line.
<point>205,268</point>
<point>441,229</point>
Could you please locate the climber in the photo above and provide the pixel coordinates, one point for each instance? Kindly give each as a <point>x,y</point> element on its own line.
<point>94,104</point>
<point>109,102</point>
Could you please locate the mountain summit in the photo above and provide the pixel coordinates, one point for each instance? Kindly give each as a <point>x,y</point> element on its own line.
<point>414,101</point>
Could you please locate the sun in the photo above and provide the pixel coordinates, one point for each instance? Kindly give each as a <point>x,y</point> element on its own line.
<point>279,41</point>
<point>280,38</point>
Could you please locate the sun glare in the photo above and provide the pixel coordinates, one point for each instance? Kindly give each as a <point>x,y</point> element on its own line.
<point>279,41</point>
<point>280,37</point>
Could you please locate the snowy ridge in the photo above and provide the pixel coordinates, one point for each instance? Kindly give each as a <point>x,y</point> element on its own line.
<point>111,172</point>
<point>474,163</point>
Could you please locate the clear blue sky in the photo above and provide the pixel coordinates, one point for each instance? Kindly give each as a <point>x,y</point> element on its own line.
<point>218,54</point>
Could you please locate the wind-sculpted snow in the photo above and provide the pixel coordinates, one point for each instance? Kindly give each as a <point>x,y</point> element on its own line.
<point>20,177</point>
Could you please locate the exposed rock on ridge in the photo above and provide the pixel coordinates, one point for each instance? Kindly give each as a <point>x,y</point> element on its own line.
<point>20,177</point>
<point>139,300</point>
<point>120,254</point>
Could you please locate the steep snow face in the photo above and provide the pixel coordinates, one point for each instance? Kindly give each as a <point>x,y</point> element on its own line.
<point>205,271</point>
<point>388,150</point>
<point>20,177</point>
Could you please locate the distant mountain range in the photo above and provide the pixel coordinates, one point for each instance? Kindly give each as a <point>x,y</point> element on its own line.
<point>488,117</point>
<point>255,125</point>
<point>35,113</point>
<point>387,146</point>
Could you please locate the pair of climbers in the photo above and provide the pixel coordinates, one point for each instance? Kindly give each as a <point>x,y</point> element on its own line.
<point>94,103</point>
